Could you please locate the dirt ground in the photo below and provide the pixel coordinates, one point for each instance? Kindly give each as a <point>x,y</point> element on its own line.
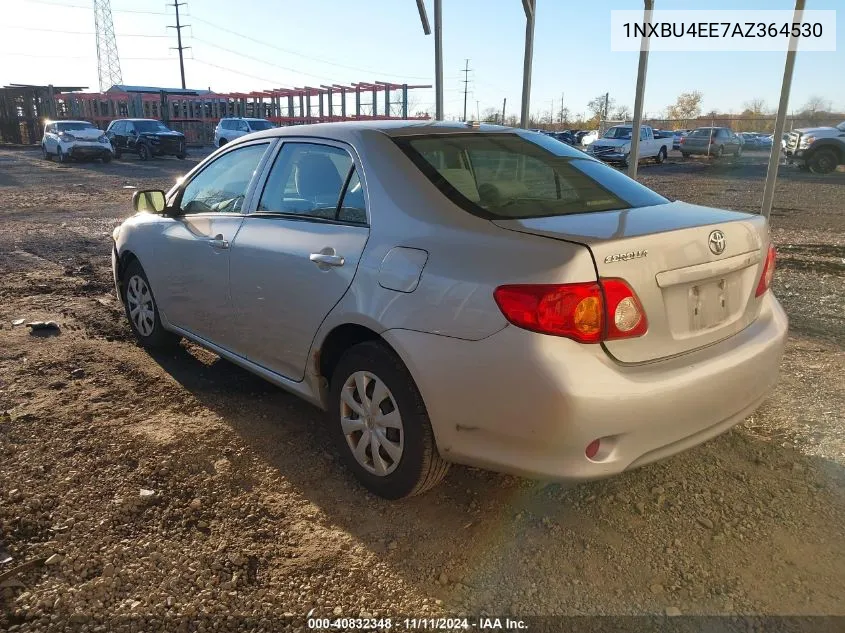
<point>180,486</point>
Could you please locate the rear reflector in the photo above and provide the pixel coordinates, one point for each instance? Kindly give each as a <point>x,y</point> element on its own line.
<point>768,272</point>
<point>586,312</point>
<point>592,449</point>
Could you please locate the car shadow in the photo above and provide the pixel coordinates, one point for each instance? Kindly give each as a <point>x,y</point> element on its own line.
<point>493,538</point>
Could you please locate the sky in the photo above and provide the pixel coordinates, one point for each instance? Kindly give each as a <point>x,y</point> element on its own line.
<point>250,45</point>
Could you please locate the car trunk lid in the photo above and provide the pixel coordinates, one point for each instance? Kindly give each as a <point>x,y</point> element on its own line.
<point>693,293</point>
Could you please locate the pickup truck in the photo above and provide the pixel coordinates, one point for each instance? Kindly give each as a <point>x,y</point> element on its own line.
<point>819,149</point>
<point>615,145</point>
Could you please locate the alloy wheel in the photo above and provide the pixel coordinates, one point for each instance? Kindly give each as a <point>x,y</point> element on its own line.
<point>371,423</point>
<point>139,299</point>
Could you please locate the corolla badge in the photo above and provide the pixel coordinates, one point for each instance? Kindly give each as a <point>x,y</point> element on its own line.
<point>717,242</point>
<point>624,257</point>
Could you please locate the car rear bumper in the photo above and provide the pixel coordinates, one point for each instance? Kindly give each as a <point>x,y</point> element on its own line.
<point>529,404</point>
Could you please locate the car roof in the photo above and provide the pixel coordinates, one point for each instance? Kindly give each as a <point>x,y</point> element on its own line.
<point>72,121</point>
<point>348,130</point>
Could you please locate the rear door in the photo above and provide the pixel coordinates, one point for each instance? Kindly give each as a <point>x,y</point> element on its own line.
<point>296,255</point>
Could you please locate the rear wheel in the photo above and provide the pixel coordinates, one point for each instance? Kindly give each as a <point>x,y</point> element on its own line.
<point>181,156</point>
<point>141,309</point>
<point>661,156</point>
<point>106,158</point>
<point>685,154</point>
<point>381,425</point>
<point>823,161</point>
<point>144,152</point>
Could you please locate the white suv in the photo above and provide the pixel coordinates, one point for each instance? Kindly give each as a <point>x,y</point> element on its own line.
<point>75,139</point>
<point>230,129</point>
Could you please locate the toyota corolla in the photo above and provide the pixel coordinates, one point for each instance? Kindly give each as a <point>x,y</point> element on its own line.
<point>455,293</point>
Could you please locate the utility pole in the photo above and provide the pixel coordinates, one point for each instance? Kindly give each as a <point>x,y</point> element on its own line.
<point>504,103</point>
<point>466,87</point>
<point>606,105</point>
<point>639,95</point>
<point>477,112</point>
<point>179,26</point>
<point>530,7</point>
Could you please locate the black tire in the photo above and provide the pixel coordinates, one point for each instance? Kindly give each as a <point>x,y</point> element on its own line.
<point>157,337</point>
<point>720,151</point>
<point>221,142</point>
<point>117,154</point>
<point>181,156</point>
<point>144,151</point>
<point>61,156</point>
<point>685,154</point>
<point>420,466</point>
<point>45,154</point>
<point>106,158</point>
<point>661,156</point>
<point>738,151</point>
<point>823,161</point>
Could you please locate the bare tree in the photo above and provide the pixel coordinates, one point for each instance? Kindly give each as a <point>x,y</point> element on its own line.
<point>755,107</point>
<point>622,113</point>
<point>816,106</point>
<point>687,106</point>
<point>491,115</point>
<point>600,106</point>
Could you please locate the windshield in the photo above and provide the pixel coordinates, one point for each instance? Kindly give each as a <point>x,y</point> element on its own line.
<point>841,126</point>
<point>521,175</point>
<point>618,132</point>
<point>150,126</point>
<point>73,125</point>
<point>258,125</point>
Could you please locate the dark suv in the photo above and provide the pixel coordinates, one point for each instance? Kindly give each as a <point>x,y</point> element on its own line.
<point>145,137</point>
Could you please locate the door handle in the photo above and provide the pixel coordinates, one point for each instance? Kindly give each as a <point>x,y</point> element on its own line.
<point>326,259</point>
<point>218,242</point>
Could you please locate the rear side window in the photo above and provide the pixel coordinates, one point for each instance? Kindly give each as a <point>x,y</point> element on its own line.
<point>309,180</point>
<point>522,175</point>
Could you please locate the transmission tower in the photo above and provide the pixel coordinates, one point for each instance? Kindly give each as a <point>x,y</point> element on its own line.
<point>108,62</point>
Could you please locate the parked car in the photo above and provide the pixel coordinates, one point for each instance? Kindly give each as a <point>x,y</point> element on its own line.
<point>625,327</point>
<point>589,138</point>
<point>231,128</point>
<point>713,141</point>
<point>146,138</point>
<point>819,149</point>
<point>74,139</point>
<point>565,137</point>
<point>677,135</point>
<point>615,145</point>
<point>750,140</point>
<point>765,141</point>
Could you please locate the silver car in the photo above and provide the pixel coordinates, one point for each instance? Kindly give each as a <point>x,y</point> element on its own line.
<point>451,293</point>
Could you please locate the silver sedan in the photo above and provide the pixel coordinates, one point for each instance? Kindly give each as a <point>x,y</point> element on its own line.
<point>451,293</point>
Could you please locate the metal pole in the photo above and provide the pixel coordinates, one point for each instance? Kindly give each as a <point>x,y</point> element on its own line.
<point>466,87</point>
<point>438,59</point>
<point>633,158</point>
<point>780,119</point>
<point>529,7</point>
<point>504,103</point>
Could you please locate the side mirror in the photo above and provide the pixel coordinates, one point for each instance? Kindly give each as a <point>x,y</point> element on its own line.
<point>152,201</point>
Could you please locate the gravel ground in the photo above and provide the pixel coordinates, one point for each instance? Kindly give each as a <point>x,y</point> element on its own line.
<point>157,492</point>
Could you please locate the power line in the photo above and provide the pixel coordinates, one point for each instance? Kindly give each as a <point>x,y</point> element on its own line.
<point>304,56</point>
<point>30,28</point>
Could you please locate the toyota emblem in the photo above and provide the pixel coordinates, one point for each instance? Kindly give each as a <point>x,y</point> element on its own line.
<point>717,242</point>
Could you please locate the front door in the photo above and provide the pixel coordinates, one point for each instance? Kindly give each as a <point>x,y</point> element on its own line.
<point>192,257</point>
<point>295,257</point>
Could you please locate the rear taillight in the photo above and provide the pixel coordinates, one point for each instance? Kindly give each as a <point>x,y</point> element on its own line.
<point>586,312</point>
<point>768,272</point>
<point>681,142</point>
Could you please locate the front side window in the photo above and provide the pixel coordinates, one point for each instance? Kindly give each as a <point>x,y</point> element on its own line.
<point>522,175</point>
<point>307,180</point>
<point>221,187</point>
<point>242,126</point>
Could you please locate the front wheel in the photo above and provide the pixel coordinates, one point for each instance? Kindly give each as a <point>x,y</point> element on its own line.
<point>144,152</point>
<point>685,154</point>
<point>106,158</point>
<point>141,309</point>
<point>738,151</point>
<point>45,154</point>
<point>822,161</point>
<point>381,425</point>
<point>181,156</point>
<point>61,156</point>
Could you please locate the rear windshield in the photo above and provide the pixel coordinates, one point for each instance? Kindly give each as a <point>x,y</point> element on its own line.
<point>75,125</point>
<point>260,125</point>
<point>703,131</point>
<point>522,175</point>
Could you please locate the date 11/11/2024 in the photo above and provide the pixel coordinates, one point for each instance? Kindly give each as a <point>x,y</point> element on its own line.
<point>487,623</point>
